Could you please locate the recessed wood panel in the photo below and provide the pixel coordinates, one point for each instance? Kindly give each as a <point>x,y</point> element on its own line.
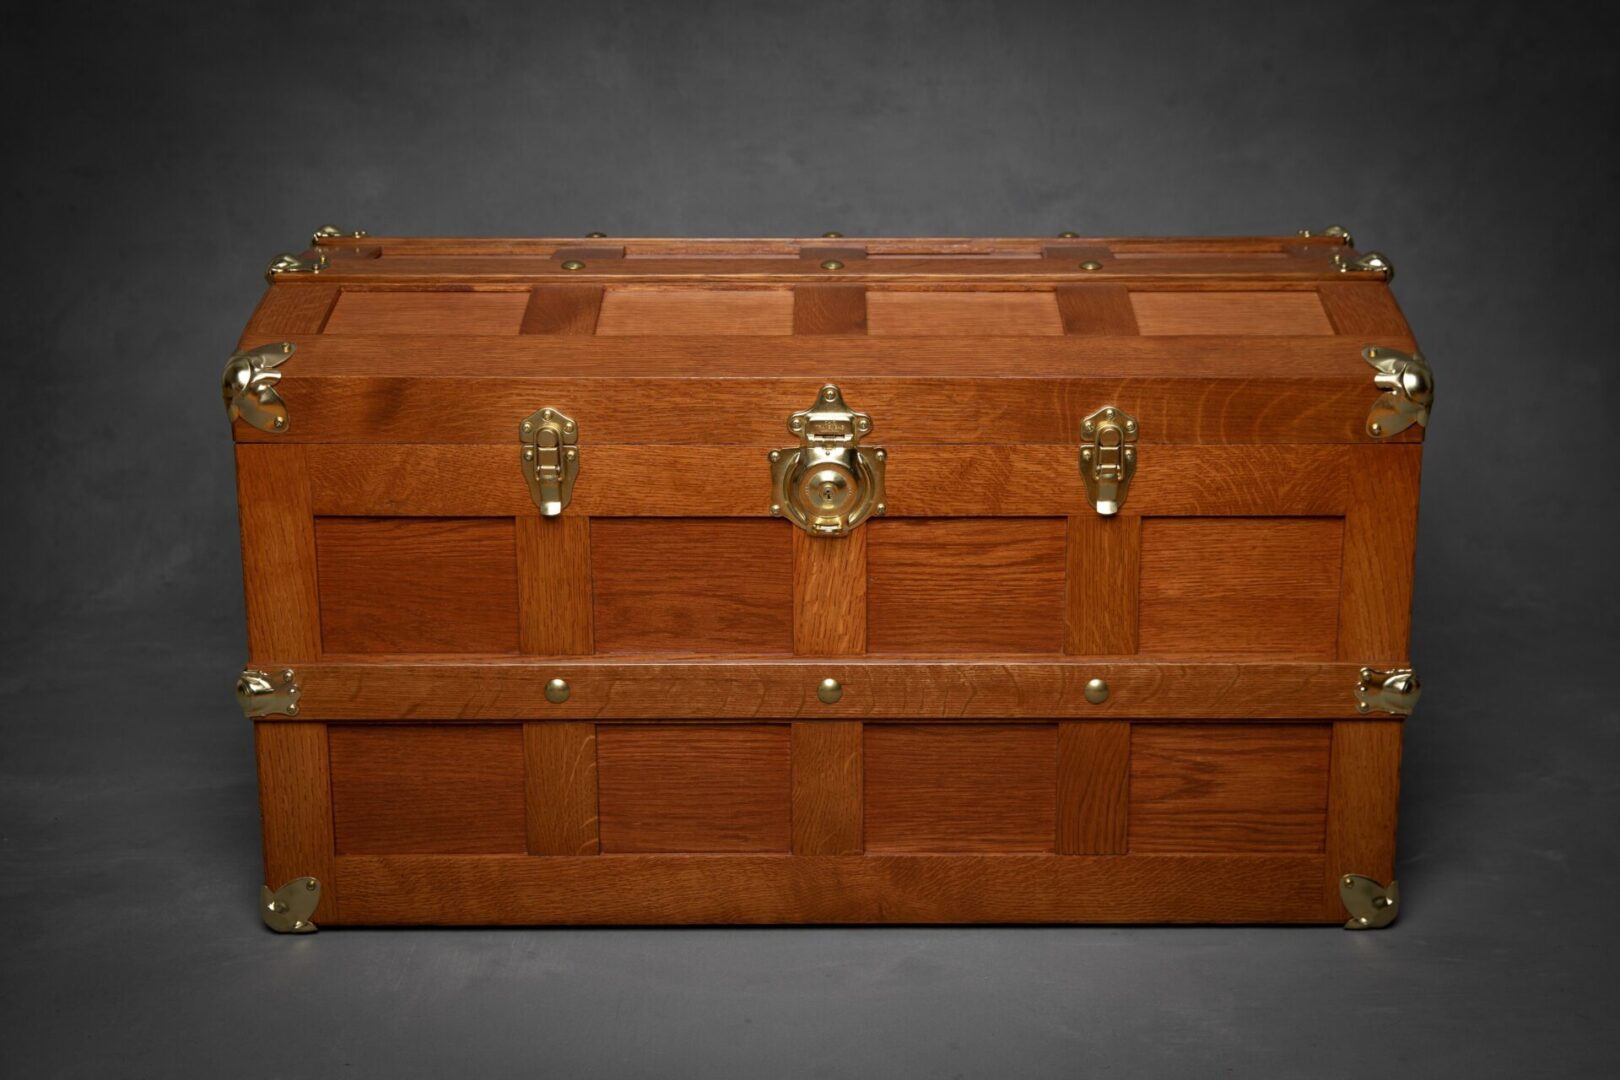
<point>462,313</point>
<point>696,311</point>
<point>1260,587</point>
<point>1245,313</point>
<point>427,788</point>
<point>692,586</point>
<point>694,788</point>
<point>965,585</point>
<point>972,314</point>
<point>417,585</point>
<point>967,787</point>
<point>1229,787</point>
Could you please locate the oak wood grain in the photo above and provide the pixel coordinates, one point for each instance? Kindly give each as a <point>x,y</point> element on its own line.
<point>696,311</point>
<point>562,309</point>
<point>694,788</point>
<point>1380,547</point>
<point>429,312</point>
<point>417,585</point>
<point>295,809</point>
<point>829,594</point>
<point>1096,310</point>
<point>1255,314</point>
<point>829,309</point>
<point>278,554</point>
<point>560,788</point>
<point>283,311</point>
<point>943,314</point>
<point>1365,310</point>
<point>1363,794</point>
<point>1229,787</point>
<point>427,788</point>
<point>827,773</point>
<point>1104,574</point>
<point>554,585</point>
<point>960,788</point>
<point>1093,787</point>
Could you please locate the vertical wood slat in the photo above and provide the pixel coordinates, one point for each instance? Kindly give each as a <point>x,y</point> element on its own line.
<point>554,585</point>
<point>829,309</point>
<point>1104,580</point>
<point>562,309</point>
<point>290,309</point>
<point>1097,310</point>
<point>829,594</point>
<point>1380,544</point>
<point>827,797</point>
<point>1363,790</point>
<point>1364,310</point>
<point>1094,791</point>
<point>560,788</point>
<point>295,808</point>
<point>278,554</point>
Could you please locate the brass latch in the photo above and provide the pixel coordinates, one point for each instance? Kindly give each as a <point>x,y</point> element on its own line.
<point>550,459</point>
<point>1108,457</point>
<point>1371,906</point>
<point>265,693</point>
<point>1394,691</point>
<point>288,910</point>
<point>829,483</point>
<point>288,263</point>
<point>249,386</point>
<point>1407,383</point>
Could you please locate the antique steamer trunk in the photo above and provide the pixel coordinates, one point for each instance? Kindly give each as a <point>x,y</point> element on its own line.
<point>828,580</point>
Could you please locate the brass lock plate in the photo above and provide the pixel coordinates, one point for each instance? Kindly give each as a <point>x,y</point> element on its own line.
<point>1108,457</point>
<point>550,459</point>
<point>829,483</point>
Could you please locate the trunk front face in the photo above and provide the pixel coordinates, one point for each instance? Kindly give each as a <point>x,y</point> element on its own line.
<point>895,639</point>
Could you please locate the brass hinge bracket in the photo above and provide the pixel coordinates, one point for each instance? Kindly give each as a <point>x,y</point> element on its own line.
<point>332,232</point>
<point>266,693</point>
<point>1373,262</point>
<point>1394,691</point>
<point>550,459</point>
<point>288,263</point>
<point>289,908</point>
<point>249,386</point>
<point>1338,232</point>
<point>829,483</point>
<point>1371,906</point>
<point>1108,457</point>
<point>1407,383</point>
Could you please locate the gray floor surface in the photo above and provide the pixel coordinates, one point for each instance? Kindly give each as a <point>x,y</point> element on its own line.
<point>131,867</point>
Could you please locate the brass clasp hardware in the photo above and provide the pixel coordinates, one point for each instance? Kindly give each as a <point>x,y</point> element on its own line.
<point>1373,262</point>
<point>1408,385</point>
<point>1338,232</point>
<point>829,483</point>
<point>249,386</point>
<point>288,910</point>
<point>550,459</point>
<point>1371,906</point>
<point>288,263</point>
<point>265,693</point>
<point>332,232</point>
<point>1394,691</point>
<point>1108,457</point>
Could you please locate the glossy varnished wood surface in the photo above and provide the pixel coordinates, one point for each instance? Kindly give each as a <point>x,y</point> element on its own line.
<point>278,554</point>
<point>560,788</point>
<point>1093,787</point>
<point>828,775</point>
<point>295,809</point>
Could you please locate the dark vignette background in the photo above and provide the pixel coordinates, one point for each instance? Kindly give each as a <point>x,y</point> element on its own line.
<point>161,153</point>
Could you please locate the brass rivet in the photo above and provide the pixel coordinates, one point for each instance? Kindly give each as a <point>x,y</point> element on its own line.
<point>830,690</point>
<point>833,235</point>
<point>281,422</point>
<point>1376,429</point>
<point>557,691</point>
<point>883,455</point>
<point>311,884</point>
<point>775,455</point>
<point>1097,691</point>
<point>882,508</point>
<point>527,426</point>
<point>1348,880</point>
<point>1091,264</point>
<point>832,264</point>
<point>830,392</point>
<point>595,235</point>
<point>776,509</point>
<point>573,264</point>
<point>1067,235</point>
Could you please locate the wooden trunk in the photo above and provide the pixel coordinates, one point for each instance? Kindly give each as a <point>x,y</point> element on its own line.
<point>969,768</point>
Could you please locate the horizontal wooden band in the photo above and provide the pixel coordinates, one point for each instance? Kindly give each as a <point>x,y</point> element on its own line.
<point>620,889</point>
<point>604,689</point>
<point>792,245</point>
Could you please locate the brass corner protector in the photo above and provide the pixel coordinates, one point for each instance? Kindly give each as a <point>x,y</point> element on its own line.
<point>266,693</point>
<point>1407,382</point>
<point>1338,232</point>
<point>829,483</point>
<point>1108,457</point>
<point>289,908</point>
<point>332,232</point>
<point>1373,262</point>
<point>1371,906</point>
<point>248,385</point>
<point>1395,691</point>
<point>550,459</point>
<point>288,263</point>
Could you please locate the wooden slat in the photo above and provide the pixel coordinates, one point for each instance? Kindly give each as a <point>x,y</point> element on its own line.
<point>933,314</point>
<point>696,311</point>
<point>440,246</point>
<point>295,808</point>
<point>1093,787</point>
<point>1104,572</point>
<point>676,586</point>
<point>1256,313</point>
<point>1362,799</point>
<point>694,788</point>
<point>278,554</point>
<point>554,585</point>
<point>562,309</point>
<point>641,889</point>
<point>404,585</point>
<point>829,309</point>
<point>428,788</point>
<point>289,309</point>
<point>829,594</point>
<point>431,312</point>
<point>1260,587</point>
<point>1365,310</point>
<point>921,481</point>
<point>1229,787</point>
<point>965,585</point>
<point>560,788</point>
<point>1096,310</point>
<point>827,770</point>
<point>966,787</point>
<point>897,690</point>
<point>1380,544</point>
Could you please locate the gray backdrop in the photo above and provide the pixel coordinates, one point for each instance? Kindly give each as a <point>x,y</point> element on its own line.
<point>160,155</point>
